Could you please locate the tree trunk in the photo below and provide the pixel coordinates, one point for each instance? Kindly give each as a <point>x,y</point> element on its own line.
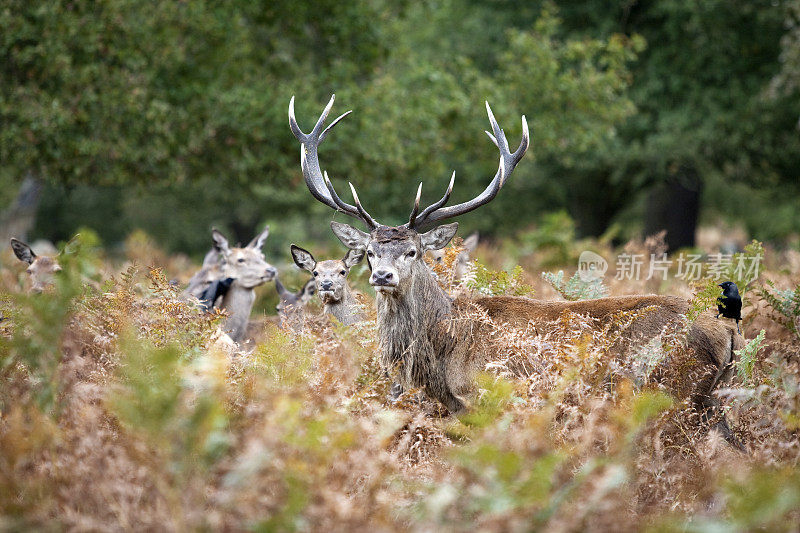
<point>674,206</point>
<point>19,218</point>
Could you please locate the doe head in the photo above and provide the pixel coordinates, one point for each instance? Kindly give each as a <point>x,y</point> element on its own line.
<point>40,268</point>
<point>291,303</point>
<point>330,277</point>
<point>461,264</point>
<point>246,265</point>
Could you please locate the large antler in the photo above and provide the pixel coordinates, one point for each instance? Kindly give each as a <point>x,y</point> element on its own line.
<point>436,212</point>
<point>316,180</point>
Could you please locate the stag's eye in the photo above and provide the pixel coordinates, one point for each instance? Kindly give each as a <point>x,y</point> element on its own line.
<point>342,273</point>
<point>315,273</point>
<point>411,254</point>
<point>241,260</point>
<point>370,254</point>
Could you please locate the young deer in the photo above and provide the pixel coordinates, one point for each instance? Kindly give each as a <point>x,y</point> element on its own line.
<point>40,268</point>
<point>245,267</point>
<point>291,305</point>
<point>417,333</point>
<point>461,264</point>
<point>331,281</point>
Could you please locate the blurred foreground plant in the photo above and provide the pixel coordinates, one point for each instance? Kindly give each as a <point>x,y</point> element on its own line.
<point>575,288</point>
<point>31,353</point>
<point>497,283</point>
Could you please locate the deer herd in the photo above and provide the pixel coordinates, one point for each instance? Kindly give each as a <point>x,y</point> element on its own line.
<point>427,338</point>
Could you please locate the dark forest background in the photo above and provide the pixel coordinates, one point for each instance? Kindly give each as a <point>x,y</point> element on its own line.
<point>171,117</point>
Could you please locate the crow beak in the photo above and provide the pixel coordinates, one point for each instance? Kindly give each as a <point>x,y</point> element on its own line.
<point>719,285</point>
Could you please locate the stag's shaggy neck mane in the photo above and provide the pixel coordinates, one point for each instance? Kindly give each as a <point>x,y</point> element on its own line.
<point>413,333</point>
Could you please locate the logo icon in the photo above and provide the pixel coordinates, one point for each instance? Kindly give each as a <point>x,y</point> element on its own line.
<point>591,266</point>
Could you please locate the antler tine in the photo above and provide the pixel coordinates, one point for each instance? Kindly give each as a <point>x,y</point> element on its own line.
<point>366,217</point>
<point>317,182</point>
<point>416,206</point>
<point>508,162</point>
<point>340,205</point>
<point>420,220</point>
<point>321,120</point>
<point>298,133</point>
<point>332,124</point>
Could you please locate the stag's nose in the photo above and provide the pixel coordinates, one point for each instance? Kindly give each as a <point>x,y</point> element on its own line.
<point>271,272</point>
<point>383,277</point>
<point>326,286</point>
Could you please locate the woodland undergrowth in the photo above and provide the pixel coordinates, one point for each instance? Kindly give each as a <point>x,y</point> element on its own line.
<point>122,407</point>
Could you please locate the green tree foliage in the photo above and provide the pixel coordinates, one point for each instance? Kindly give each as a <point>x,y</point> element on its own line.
<point>706,113</point>
<point>188,101</point>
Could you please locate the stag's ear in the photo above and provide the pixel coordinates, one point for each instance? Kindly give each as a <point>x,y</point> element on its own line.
<point>353,257</point>
<point>438,237</point>
<point>350,236</point>
<point>471,242</point>
<point>220,242</point>
<point>22,251</point>
<point>303,258</point>
<point>308,291</point>
<point>258,241</point>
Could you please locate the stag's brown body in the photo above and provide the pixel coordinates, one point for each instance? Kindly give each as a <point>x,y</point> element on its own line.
<point>431,338</point>
<point>438,345</point>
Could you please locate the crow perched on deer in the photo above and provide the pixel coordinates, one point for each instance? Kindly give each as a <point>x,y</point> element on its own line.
<point>246,269</point>
<point>421,334</point>
<point>729,304</point>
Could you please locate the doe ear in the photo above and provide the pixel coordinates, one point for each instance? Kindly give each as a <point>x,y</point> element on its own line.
<point>280,288</point>
<point>351,237</point>
<point>211,258</point>
<point>353,257</point>
<point>258,241</point>
<point>438,237</point>
<point>303,258</point>
<point>22,251</point>
<point>308,290</point>
<point>220,242</point>
<point>471,242</point>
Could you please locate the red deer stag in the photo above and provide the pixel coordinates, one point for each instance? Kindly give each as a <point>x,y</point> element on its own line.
<point>416,334</point>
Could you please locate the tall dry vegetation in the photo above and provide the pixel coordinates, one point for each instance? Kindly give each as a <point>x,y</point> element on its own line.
<point>121,410</point>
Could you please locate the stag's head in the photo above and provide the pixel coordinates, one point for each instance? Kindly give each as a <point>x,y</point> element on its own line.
<point>40,268</point>
<point>246,265</point>
<point>395,253</point>
<point>330,277</point>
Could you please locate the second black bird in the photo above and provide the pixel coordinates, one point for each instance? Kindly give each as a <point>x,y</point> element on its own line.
<point>729,304</point>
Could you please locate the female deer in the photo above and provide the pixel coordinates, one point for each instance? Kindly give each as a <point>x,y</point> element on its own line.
<point>245,269</point>
<point>331,282</point>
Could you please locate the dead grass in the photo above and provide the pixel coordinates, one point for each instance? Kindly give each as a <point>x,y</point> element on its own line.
<point>157,426</point>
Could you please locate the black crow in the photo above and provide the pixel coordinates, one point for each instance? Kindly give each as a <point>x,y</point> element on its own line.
<point>216,289</point>
<point>729,304</point>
